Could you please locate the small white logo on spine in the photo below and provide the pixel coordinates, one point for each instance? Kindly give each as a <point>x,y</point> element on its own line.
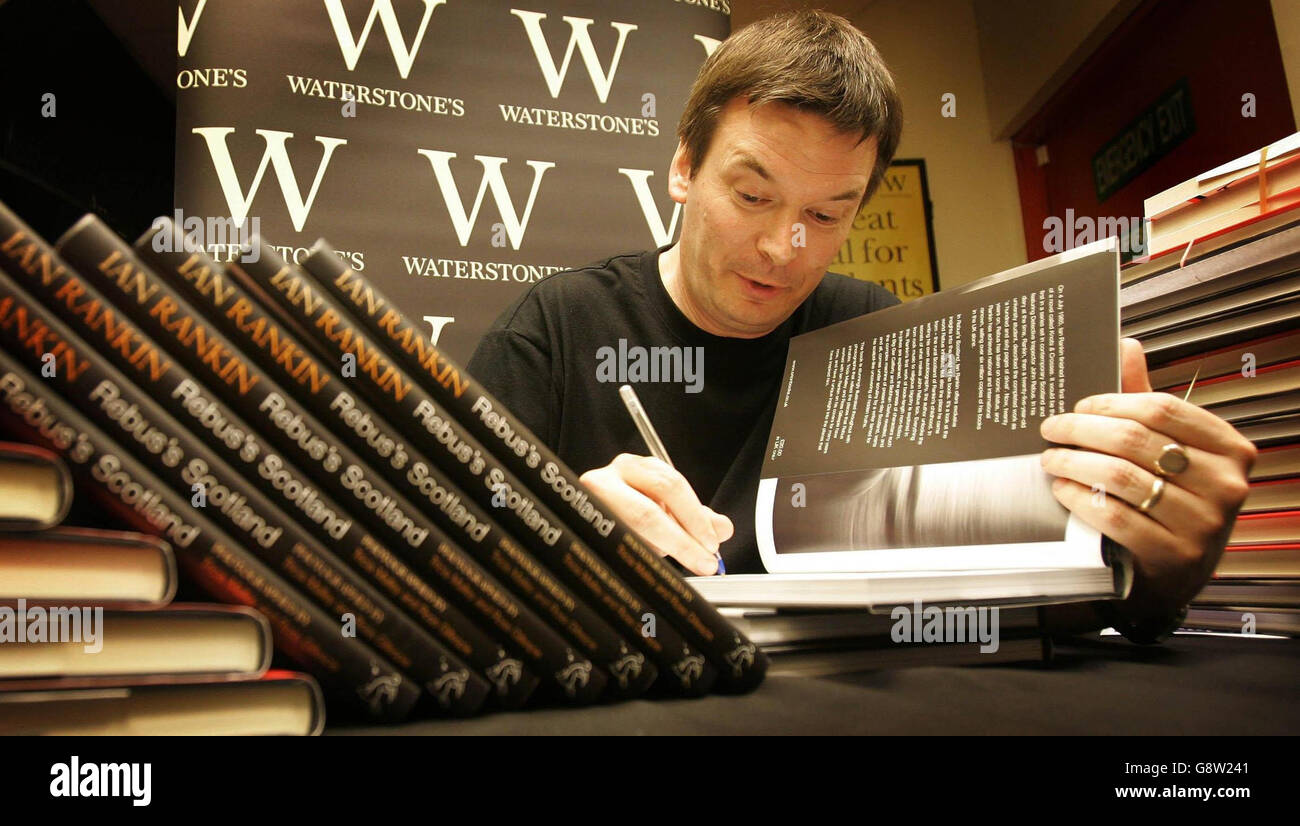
<point>627,668</point>
<point>574,677</point>
<point>450,687</point>
<point>741,657</point>
<point>504,674</point>
<point>688,669</point>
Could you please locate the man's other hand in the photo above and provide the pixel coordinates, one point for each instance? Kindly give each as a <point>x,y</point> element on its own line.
<point>657,502</point>
<point>1177,543</point>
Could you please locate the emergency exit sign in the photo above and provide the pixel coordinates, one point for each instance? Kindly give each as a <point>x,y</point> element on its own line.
<point>1146,139</point>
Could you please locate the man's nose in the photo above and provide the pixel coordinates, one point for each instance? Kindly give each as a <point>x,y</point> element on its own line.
<point>777,244</point>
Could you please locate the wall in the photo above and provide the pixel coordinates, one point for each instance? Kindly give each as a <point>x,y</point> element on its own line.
<point>932,48</point>
<point>1286,17</point>
<point>1021,73</point>
<point>1029,48</point>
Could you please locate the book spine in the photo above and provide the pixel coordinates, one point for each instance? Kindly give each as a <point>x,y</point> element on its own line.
<point>484,477</point>
<point>471,527</point>
<point>741,665</point>
<point>183,276</point>
<point>348,668</point>
<point>95,319</point>
<point>257,333</point>
<point>87,380</point>
<point>541,650</point>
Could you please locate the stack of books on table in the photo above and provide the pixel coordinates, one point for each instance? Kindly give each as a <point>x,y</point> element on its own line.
<point>90,642</point>
<point>1257,584</point>
<point>1223,329</point>
<point>1243,199</point>
<point>308,453</point>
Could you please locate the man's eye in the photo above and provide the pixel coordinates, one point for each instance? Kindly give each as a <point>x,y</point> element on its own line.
<point>825,219</point>
<point>749,199</point>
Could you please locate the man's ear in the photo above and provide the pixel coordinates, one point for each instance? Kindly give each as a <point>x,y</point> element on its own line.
<point>679,174</point>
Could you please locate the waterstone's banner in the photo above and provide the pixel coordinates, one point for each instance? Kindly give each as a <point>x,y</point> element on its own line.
<point>452,151</point>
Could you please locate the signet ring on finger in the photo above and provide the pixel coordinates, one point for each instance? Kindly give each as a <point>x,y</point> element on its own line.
<point>1172,460</point>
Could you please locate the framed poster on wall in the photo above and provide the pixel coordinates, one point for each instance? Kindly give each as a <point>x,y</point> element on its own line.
<point>892,241</point>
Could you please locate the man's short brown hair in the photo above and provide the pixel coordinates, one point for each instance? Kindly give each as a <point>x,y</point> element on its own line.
<point>814,60</point>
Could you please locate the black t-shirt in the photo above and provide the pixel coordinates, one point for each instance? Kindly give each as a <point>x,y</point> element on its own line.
<point>543,358</point>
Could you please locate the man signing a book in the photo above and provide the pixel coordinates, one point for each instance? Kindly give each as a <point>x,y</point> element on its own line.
<point>789,129</point>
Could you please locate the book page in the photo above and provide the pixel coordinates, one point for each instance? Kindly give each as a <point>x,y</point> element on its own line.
<point>908,438</point>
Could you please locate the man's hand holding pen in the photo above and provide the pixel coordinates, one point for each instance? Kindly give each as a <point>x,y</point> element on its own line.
<point>658,502</point>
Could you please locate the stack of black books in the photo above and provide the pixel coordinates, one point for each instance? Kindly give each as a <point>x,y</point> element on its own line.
<point>309,453</point>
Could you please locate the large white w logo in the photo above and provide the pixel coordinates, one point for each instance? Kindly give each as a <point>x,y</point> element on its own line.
<point>640,179</point>
<point>278,156</point>
<point>579,36</point>
<point>185,31</point>
<point>464,224</point>
<point>383,9</point>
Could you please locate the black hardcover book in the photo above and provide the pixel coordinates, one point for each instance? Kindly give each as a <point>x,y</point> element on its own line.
<point>467,527</point>
<point>347,668</point>
<point>521,453</point>
<point>85,378</point>
<point>90,315</point>
<point>473,467</point>
<point>183,276</point>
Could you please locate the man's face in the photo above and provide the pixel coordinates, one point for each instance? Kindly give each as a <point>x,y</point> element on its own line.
<point>764,216</point>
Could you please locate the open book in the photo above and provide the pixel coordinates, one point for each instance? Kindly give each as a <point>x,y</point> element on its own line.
<point>903,461</point>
